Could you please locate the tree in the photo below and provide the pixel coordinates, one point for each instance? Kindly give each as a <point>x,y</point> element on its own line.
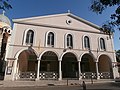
<point>98,6</point>
<point>4,5</point>
<point>118,55</point>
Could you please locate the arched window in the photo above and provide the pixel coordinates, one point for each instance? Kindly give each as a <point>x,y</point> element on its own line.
<point>69,41</point>
<point>102,44</point>
<point>86,42</point>
<point>29,37</point>
<point>50,39</point>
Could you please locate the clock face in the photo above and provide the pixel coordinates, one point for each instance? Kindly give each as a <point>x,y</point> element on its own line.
<point>68,22</point>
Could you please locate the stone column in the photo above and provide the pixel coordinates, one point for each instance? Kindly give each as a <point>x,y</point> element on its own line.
<point>38,69</point>
<point>79,70</point>
<point>60,71</point>
<point>97,71</point>
<point>14,70</point>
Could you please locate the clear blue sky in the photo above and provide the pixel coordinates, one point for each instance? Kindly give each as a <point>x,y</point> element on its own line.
<point>28,8</point>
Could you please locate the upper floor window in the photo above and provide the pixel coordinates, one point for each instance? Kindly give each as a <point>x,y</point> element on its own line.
<point>29,37</point>
<point>69,41</point>
<point>50,39</point>
<point>86,42</point>
<point>102,44</point>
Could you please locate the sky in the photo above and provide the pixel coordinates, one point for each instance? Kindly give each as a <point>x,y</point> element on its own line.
<point>81,8</point>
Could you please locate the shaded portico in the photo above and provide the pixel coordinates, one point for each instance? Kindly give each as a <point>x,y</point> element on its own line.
<point>88,66</point>
<point>105,67</point>
<point>69,66</point>
<point>49,65</point>
<point>27,65</point>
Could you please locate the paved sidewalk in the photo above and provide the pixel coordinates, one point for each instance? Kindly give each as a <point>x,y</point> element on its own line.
<point>49,83</point>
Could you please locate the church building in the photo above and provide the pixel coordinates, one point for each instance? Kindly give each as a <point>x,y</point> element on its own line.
<point>5,34</point>
<point>57,47</point>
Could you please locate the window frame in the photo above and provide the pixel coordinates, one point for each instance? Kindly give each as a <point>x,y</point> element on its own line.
<point>29,37</point>
<point>103,47</point>
<point>88,46</point>
<point>25,36</point>
<point>51,41</point>
<point>69,44</point>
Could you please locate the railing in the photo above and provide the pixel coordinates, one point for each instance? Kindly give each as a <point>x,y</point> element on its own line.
<point>48,76</point>
<point>26,76</point>
<point>102,75</point>
<point>89,75</point>
<point>105,75</point>
<point>54,75</point>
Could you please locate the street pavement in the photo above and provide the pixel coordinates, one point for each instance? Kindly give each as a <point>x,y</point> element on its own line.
<point>94,86</point>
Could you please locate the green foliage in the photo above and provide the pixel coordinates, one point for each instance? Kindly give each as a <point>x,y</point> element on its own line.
<point>118,55</point>
<point>98,6</point>
<point>4,5</point>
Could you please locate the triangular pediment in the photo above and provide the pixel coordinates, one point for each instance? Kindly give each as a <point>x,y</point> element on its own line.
<point>66,20</point>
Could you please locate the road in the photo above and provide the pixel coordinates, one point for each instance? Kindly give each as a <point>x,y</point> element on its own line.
<point>97,86</point>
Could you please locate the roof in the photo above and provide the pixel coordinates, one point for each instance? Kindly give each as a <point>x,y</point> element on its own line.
<point>56,15</point>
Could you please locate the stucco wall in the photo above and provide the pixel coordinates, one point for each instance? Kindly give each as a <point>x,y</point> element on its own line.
<point>18,45</point>
<point>40,38</point>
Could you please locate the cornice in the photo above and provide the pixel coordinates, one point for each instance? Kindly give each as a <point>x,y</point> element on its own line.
<point>59,27</point>
<point>63,48</point>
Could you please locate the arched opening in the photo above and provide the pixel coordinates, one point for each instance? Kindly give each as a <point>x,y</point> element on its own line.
<point>27,64</point>
<point>69,66</point>
<point>88,68</point>
<point>50,39</point>
<point>30,37</point>
<point>105,67</point>
<point>102,44</point>
<point>86,42</point>
<point>69,41</point>
<point>49,66</point>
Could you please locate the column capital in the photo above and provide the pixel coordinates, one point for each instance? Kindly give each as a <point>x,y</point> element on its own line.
<point>79,61</point>
<point>60,60</point>
<point>38,59</point>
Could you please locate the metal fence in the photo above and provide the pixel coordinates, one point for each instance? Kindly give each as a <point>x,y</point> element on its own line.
<point>48,75</point>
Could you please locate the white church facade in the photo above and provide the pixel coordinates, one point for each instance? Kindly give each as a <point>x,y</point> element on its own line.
<point>57,47</point>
